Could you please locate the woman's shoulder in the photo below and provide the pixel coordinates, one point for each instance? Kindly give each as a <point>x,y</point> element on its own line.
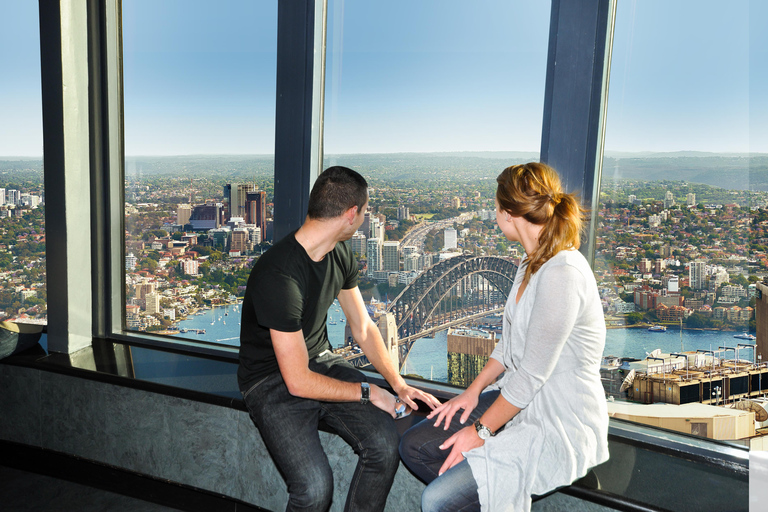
<point>567,262</point>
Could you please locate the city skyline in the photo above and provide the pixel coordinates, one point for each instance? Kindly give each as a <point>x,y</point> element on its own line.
<point>192,86</point>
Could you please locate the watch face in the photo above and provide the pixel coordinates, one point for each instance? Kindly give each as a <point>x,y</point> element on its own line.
<point>483,432</point>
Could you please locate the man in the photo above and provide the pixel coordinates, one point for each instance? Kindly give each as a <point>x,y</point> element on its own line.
<point>290,379</point>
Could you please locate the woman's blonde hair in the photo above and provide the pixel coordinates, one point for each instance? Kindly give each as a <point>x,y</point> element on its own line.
<point>533,191</point>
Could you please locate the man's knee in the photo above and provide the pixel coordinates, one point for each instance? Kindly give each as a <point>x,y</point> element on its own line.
<point>312,493</point>
<point>382,447</point>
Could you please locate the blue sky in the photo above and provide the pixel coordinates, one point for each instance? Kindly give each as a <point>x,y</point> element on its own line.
<point>448,75</point>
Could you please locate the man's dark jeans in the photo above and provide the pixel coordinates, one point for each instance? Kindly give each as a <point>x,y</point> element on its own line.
<point>289,427</point>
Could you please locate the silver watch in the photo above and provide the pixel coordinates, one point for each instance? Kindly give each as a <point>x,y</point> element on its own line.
<point>365,393</point>
<point>483,432</point>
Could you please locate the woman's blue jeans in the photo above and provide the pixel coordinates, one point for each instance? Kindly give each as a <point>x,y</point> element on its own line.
<point>456,489</point>
<point>289,428</point>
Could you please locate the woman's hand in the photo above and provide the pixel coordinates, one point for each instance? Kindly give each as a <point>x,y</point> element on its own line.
<point>462,441</point>
<point>467,401</point>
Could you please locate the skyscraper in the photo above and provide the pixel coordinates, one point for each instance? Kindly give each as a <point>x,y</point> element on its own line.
<point>391,256</point>
<point>697,274</point>
<point>373,254</point>
<point>235,195</point>
<point>256,209</point>
<point>358,242</point>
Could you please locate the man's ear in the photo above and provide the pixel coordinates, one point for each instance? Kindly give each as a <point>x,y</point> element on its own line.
<point>350,214</point>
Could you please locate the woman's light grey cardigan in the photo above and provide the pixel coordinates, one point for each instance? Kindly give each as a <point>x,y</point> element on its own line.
<point>551,346</point>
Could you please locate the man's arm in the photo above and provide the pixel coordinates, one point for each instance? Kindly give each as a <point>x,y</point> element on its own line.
<point>293,360</point>
<point>367,335</point>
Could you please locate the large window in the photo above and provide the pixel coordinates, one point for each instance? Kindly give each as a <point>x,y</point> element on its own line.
<point>430,101</point>
<point>199,89</point>
<point>680,241</point>
<point>22,197</point>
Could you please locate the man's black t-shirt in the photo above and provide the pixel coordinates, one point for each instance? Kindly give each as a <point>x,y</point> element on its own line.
<point>288,292</point>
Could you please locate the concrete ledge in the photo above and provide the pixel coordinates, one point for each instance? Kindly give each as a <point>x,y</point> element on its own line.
<point>206,446</point>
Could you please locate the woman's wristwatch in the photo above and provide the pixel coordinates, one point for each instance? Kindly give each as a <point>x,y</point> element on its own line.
<point>483,432</point>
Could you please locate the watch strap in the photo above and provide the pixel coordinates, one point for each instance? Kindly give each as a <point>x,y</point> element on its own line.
<point>365,393</point>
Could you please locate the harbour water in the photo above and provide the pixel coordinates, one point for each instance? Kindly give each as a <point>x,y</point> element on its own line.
<point>428,357</point>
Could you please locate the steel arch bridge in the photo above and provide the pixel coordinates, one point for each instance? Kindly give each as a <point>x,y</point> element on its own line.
<point>417,310</point>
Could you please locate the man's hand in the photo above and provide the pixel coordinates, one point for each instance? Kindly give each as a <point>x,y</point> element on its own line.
<point>408,394</point>
<point>467,401</point>
<point>383,399</point>
<point>462,441</point>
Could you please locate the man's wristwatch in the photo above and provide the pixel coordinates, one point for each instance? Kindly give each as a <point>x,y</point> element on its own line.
<point>483,432</point>
<point>365,393</point>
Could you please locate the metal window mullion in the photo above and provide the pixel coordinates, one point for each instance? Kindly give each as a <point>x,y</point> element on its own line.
<point>66,160</point>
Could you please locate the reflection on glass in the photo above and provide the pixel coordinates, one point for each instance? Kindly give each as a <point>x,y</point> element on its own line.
<point>199,88</point>
<point>22,196</point>
<point>676,260</point>
<point>430,101</point>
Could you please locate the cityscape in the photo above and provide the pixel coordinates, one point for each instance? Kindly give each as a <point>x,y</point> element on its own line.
<point>666,250</point>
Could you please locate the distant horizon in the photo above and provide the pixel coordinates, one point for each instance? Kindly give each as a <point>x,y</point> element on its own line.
<point>612,154</point>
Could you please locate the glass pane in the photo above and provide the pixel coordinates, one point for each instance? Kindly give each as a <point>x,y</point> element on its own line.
<point>682,181</point>
<point>430,108</point>
<point>199,87</point>
<point>22,196</point>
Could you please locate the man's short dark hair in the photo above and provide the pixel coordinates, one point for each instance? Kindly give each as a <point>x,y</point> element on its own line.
<point>336,190</point>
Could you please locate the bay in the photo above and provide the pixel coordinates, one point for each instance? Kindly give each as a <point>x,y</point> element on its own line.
<point>429,356</point>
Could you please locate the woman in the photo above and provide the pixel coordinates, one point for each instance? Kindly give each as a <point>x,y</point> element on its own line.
<point>544,422</point>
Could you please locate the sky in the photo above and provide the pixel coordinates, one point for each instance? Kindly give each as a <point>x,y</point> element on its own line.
<point>411,76</point>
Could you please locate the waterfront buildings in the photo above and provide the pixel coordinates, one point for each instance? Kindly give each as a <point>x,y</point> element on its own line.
<point>468,351</point>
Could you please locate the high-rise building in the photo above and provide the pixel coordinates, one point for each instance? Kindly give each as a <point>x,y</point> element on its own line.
<point>377,229</point>
<point>2,196</point>
<point>391,256</point>
<point>468,352</point>
<point>697,276</point>
<point>144,288</point>
<point>152,301</point>
<point>358,243</point>
<point>12,196</point>
<point>412,262</point>
<point>403,213</point>
<point>189,266</point>
<point>130,262</point>
<point>205,217</point>
<point>239,241</point>
<point>365,227</point>
<point>691,199</point>
<point>256,209</point>
<point>235,196</point>
<point>373,255</point>
<point>450,239</point>
<point>669,200</point>
<point>183,213</point>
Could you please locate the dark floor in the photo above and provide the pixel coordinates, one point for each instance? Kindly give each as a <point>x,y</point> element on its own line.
<point>33,479</point>
<point>21,491</point>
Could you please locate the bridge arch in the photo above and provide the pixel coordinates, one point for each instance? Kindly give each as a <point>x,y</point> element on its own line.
<point>417,303</point>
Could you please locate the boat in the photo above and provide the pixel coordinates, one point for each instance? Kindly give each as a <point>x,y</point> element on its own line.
<point>746,336</point>
<point>658,328</point>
